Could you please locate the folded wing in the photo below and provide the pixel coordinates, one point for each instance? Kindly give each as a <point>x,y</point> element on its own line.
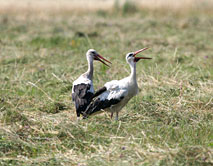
<point>112,94</point>
<point>81,96</point>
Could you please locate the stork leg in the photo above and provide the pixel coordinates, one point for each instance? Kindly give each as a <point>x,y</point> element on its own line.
<point>116,116</point>
<point>111,115</point>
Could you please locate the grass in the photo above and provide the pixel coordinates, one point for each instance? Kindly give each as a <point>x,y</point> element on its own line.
<point>170,122</point>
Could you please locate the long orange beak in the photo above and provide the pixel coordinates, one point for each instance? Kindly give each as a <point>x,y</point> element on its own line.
<point>99,58</point>
<point>138,58</point>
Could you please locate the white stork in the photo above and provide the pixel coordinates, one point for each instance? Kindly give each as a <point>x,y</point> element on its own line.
<point>82,89</point>
<point>116,94</point>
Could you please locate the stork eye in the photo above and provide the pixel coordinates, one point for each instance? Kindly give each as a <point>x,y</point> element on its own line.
<point>93,53</point>
<point>130,55</point>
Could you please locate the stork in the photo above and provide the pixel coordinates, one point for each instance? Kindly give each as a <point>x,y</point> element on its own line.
<point>82,89</point>
<point>116,93</point>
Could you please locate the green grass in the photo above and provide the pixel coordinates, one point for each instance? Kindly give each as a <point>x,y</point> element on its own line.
<point>170,122</point>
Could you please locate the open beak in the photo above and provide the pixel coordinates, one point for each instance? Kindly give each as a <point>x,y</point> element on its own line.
<point>102,59</point>
<point>138,58</point>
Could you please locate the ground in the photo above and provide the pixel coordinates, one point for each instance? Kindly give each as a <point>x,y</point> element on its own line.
<point>170,121</point>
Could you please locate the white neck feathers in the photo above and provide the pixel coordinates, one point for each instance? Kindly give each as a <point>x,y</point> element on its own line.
<point>89,72</point>
<point>133,71</point>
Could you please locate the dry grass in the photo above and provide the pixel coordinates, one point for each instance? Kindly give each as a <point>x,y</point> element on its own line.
<point>170,122</point>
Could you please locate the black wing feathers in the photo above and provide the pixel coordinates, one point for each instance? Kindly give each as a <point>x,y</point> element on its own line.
<point>98,104</point>
<point>98,92</point>
<point>82,97</point>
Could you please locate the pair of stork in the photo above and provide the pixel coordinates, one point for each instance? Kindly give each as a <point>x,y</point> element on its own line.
<point>113,96</point>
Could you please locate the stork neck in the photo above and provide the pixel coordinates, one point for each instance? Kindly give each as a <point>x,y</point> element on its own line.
<point>90,69</point>
<point>133,71</point>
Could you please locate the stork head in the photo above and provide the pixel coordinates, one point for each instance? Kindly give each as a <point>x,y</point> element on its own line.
<point>132,59</point>
<point>93,55</point>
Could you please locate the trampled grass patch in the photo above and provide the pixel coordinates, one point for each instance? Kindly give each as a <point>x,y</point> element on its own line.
<point>170,122</point>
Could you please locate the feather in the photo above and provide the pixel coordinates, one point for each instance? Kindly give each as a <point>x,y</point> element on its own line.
<point>82,97</point>
<point>100,91</point>
<point>114,94</point>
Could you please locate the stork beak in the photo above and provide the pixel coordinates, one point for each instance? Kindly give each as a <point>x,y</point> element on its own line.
<point>99,58</point>
<point>138,58</point>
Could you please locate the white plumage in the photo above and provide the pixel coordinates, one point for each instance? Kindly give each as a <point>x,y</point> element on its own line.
<point>115,90</point>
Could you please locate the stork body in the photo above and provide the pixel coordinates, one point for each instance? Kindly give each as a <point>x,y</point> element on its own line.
<point>82,89</point>
<point>116,94</point>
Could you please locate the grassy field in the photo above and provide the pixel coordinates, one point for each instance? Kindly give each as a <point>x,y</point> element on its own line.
<point>170,122</point>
